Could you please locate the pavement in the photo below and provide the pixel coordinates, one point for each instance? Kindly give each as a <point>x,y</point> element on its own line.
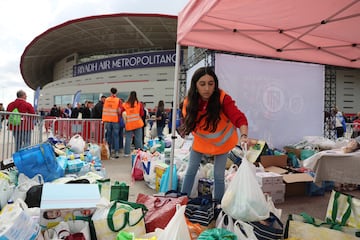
<point>120,169</point>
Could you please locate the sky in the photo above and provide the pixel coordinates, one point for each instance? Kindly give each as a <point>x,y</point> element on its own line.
<point>21,21</point>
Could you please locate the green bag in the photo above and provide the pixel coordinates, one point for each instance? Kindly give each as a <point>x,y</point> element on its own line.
<point>217,234</point>
<point>119,191</point>
<point>15,119</point>
<point>306,153</point>
<point>349,232</point>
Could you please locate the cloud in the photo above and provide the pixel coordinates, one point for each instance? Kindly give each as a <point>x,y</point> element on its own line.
<point>21,21</point>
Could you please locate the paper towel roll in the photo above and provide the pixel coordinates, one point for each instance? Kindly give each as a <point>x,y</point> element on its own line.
<point>16,224</point>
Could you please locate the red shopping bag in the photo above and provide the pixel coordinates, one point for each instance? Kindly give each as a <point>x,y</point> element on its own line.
<point>160,209</point>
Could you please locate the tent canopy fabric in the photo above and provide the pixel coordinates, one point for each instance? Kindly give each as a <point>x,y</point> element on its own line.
<point>321,31</point>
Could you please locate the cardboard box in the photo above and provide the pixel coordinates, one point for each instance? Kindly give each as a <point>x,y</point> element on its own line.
<point>74,166</point>
<point>296,183</point>
<point>273,160</point>
<point>63,202</point>
<point>274,189</point>
<point>269,178</point>
<point>278,197</point>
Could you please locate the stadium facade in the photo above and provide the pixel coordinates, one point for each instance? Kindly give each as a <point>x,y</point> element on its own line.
<point>93,54</point>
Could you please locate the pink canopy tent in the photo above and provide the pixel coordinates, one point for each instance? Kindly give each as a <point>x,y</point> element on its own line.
<point>317,31</point>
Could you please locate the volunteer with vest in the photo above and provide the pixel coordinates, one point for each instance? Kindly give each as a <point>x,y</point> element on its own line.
<point>212,117</point>
<point>133,112</point>
<point>110,116</point>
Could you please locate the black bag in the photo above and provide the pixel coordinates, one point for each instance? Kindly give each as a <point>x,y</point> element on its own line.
<point>78,181</point>
<point>200,210</point>
<point>33,196</point>
<point>7,164</point>
<point>272,230</point>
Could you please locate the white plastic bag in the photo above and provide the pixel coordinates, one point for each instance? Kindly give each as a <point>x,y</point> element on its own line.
<point>149,161</point>
<point>24,184</point>
<point>226,222</point>
<point>64,229</point>
<point>77,144</point>
<point>177,228</point>
<point>244,199</point>
<point>6,190</point>
<point>33,212</point>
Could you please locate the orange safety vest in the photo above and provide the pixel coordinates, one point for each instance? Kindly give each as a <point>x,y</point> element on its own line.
<point>221,141</point>
<point>133,118</point>
<point>110,109</point>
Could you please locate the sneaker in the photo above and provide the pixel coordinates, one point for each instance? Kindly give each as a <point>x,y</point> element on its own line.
<point>126,155</point>
<point>117,155</point>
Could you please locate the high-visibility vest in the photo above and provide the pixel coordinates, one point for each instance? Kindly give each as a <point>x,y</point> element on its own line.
<point>133,119</point>
<point>223,140</point>
<point>110,110</point>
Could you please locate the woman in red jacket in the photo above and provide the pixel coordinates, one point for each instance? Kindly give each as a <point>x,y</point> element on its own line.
<point>213,118</point>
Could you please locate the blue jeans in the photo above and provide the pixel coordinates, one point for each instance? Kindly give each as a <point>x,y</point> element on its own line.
<point>22,139</point>
<point>219,172</point>
<point>112,135</point>
<point>121,138</point>
<point>138,139</point>
<point>160,130</point>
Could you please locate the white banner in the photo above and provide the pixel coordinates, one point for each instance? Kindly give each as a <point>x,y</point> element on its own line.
<point>282,100</point>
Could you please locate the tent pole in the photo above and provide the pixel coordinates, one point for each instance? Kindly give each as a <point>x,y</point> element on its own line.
<point>173,115</point>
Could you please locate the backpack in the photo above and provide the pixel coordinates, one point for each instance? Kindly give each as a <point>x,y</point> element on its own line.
<point>15,119</point>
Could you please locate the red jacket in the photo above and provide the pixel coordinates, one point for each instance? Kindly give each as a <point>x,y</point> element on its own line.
<point>24,107</point>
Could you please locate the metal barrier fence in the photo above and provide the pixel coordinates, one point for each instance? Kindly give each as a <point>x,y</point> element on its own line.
<point>91,130</point>
<point>27,132</point>
<point>34,129</point>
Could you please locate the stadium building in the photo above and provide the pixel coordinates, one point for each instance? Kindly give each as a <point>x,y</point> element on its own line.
<point>93,54</point>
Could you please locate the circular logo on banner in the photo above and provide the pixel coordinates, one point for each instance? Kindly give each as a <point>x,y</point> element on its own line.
<point>296,104</point>
<point>273,99</point>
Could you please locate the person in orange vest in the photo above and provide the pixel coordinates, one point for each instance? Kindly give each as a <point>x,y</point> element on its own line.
<point>133,112</point>
<point>110,117</point>
<point>212,117</point>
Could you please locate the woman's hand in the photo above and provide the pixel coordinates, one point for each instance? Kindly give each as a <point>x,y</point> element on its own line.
<point>248,141</point>
<point>243,139</point>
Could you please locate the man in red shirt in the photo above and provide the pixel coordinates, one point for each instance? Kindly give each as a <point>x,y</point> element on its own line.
<point>22,132</point>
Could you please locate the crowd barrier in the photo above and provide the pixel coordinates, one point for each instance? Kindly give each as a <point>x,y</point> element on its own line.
<point>35,129</point>
<point>91,130</point>
<point>26,133</point>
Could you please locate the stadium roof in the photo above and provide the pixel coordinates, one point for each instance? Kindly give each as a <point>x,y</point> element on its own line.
<point>95,35</point>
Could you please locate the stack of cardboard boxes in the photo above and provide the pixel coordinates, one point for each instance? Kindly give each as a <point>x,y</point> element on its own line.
<point>280,176</point>
<point>272,184</point>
